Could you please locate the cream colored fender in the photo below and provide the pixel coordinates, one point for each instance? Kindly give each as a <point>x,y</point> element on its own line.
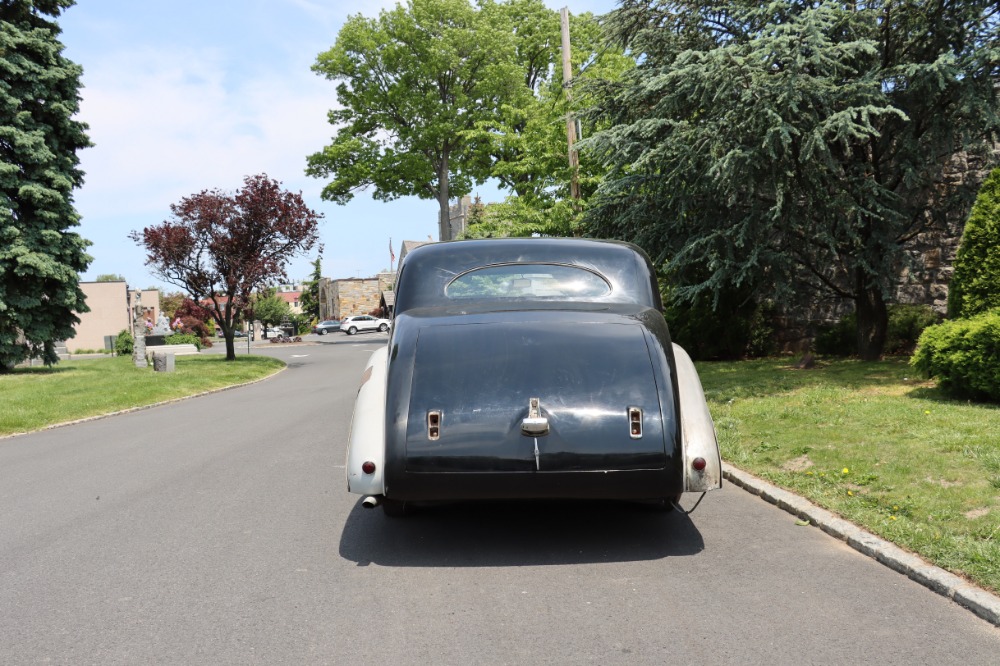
<point>697,429</point>
<point>366,441</point>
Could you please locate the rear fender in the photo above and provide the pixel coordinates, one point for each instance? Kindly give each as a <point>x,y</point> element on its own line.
<point>697,429</point>
<point>366,441</point>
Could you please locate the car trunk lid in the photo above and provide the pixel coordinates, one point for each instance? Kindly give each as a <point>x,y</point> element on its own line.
<point>534,396</point>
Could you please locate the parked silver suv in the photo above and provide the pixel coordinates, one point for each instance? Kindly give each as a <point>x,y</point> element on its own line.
<point>364,324</point>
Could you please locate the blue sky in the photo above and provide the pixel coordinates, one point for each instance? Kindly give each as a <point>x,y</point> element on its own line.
<point>186,95</point>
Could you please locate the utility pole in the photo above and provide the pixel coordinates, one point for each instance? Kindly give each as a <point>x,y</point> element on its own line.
<point>567,67</point>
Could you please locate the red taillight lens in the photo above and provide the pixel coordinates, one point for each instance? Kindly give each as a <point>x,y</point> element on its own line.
<point>698,464</point>
<point>368,467</point>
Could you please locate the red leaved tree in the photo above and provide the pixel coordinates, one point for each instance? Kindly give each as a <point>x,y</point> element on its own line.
<point>221,247</point>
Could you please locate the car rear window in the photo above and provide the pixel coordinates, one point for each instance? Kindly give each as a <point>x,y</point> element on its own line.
<point>528,281</point>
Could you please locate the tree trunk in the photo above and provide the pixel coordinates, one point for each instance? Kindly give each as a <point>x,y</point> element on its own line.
<point>224,320</point>
<point>444,213</point>
<point>873,320</point>
<point>228,335</point>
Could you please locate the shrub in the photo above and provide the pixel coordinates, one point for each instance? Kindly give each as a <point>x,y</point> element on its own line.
<point>906,323</point>
<point>964,354</point>
<point>839,339</point>
<point>183,339</point>
<point>975,284</point>
<point>732,330</point>
<point>124,344</point>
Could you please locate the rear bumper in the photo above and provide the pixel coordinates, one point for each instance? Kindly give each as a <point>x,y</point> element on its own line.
<point>610,484</point>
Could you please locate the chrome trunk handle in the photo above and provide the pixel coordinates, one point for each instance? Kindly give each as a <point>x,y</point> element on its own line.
<point>534,424</point>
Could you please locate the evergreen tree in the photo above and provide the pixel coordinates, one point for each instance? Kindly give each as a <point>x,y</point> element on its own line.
<point>310,291</point>
<point>40,257</point>
<point>794,148</point>
<point>975,285</point>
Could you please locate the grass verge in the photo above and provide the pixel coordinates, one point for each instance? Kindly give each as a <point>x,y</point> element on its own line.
<point>875,444</point>
<point>34,398</point>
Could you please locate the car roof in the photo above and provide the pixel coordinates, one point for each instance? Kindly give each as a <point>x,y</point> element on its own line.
<point>426,271</point>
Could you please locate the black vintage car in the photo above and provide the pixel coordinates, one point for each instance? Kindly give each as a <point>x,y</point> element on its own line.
<point>526,369</point>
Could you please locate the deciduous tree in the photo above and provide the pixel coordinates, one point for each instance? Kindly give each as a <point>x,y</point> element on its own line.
<point>221,247</point>
<point>171,304</point>
<point>270,308</point>
<point>41,256</point>
<point>794,146</point>
<point>413,84</point>
<point>527,137</point>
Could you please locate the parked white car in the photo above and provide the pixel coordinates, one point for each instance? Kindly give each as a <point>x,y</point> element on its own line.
<point>364,324</point>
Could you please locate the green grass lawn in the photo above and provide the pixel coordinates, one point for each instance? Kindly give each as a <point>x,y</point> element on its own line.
<point>874,443</point>
<point>33,398</point>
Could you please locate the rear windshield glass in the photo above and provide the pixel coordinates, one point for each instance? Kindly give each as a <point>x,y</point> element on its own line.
<point>529,281</point>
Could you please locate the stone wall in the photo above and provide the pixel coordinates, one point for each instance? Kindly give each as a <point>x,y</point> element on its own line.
<point>922,280</point>
<point>352,296</point>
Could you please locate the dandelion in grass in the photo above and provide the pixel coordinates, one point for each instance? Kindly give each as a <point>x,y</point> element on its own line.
<point>850,493</point>
<point>845,471</point>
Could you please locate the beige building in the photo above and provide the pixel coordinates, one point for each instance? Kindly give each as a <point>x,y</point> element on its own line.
<point>109,313</point>
<point>352,296</point>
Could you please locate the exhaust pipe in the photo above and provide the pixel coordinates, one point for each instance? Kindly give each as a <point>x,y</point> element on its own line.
<point>370,502</point>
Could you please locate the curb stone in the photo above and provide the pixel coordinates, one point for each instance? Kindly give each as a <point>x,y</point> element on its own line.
<point>984,604</point>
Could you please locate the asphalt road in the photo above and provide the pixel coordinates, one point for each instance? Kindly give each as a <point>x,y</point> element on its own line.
<point>217,530</point>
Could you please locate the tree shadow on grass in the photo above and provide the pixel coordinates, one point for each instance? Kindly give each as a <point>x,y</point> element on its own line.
<point>939,395</point>
<point>724,381</point>
<point>39,370</point>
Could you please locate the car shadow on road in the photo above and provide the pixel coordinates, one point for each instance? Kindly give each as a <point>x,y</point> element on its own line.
<point>517,534</point>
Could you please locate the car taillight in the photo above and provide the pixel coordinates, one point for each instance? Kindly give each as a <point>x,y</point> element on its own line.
<point>368,467</point>
<point>434,424</point>
<point>634,422</point>
<point>699,464</point>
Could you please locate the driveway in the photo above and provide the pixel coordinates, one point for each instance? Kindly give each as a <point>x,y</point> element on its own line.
<point>217,530</point>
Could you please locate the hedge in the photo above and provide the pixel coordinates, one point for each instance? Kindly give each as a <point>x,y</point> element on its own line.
<point>964,354</point>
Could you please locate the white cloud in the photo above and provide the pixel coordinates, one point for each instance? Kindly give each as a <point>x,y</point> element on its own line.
<point>171,124</point>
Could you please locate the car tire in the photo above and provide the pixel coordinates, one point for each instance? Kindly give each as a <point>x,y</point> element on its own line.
<point>394,508</point>
<point>382,328</point>
<point>352,330</point>
<point>321,331</point>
